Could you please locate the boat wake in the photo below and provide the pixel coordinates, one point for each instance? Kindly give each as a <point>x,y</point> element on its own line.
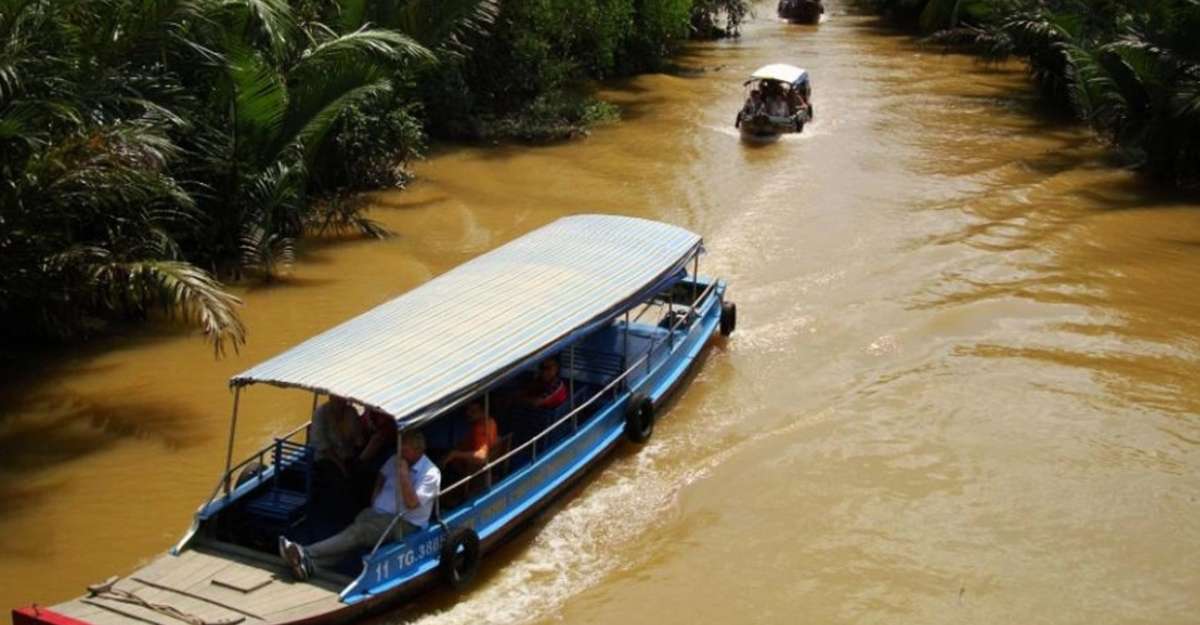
<point>574,549</point>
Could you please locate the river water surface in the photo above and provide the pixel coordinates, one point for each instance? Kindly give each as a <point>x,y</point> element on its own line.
<point>965,386</point>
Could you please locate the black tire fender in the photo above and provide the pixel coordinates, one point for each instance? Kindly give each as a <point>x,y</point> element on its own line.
<point>639,419</point>
<point>460,558</point>
<point>728,318</point>
<point>249,472</point>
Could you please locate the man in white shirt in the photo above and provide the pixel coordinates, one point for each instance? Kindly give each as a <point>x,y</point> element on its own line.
<point>408,477</point>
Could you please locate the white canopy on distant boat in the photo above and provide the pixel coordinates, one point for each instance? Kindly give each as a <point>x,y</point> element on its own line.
<point>782,72</point>
<point>449,339</point>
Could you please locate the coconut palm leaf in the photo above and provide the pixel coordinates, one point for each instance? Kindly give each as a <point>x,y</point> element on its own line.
<point>182,291</point>
<point>370,44</point>
<point>271,20</point>
<point>1186,101</point>
<point>441,23</point>
<point>318,110</point>
<point>102,284</point>
<point>344,214</point>
<point>335,75</point>
<point>267,253</point>
<point>351,15</point>
<point>260,100</point>
<point>1092,92</point>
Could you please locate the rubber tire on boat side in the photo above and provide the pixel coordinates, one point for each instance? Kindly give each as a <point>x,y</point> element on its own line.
<point>728,318</point>
<point>249,472</point>
<point>459,569</point>
<point>639,419</point>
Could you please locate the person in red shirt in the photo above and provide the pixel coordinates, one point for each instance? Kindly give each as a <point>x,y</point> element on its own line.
<point>548,390</point>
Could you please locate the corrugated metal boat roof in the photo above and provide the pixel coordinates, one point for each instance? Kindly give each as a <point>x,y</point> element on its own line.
<point>782,72</point>
<point>448,339</point>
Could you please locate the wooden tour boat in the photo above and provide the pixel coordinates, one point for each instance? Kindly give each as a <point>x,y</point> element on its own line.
<point>779,101</point>
<point>801,11</point>
<point>617,301</point>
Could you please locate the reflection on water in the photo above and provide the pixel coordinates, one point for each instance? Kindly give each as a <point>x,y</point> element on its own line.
<point>963,389</point>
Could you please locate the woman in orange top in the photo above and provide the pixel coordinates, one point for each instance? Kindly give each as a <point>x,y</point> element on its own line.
<point>472,452</point>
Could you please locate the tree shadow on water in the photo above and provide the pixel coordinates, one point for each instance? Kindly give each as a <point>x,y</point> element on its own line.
<point>51,429</point>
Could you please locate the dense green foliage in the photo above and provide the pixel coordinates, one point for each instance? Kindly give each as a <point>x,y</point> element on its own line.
<point>150,148</point>
<point>1131,68</point>
<point>522,79</point>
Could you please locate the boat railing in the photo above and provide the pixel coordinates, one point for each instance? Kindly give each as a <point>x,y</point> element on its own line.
<point>529,444</point>
<point>260,456</point>
<point>572,416</point>
<point>680,320</point>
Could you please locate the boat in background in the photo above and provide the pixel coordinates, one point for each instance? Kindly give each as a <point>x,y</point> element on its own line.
<point>618,301</point>
<point>779,101</point>
<point>801,11</point>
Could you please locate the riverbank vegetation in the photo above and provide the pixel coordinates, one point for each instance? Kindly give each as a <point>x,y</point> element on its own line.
<point>152,149</point>
<point>1130,68</point>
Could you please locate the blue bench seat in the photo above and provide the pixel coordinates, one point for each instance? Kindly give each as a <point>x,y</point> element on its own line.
<point>285,502</point>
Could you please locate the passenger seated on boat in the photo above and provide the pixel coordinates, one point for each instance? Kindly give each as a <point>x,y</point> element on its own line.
<point>777,105</point>
<point>547,390</point>
<point>472,451</point>
<point>380,429</point>
<point>408,477</point>
<point>795,100</point>
<point>336,437</point>
<point>774,100</point>
<point>754,104</point>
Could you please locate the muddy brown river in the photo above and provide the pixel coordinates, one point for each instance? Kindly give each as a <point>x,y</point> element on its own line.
<point>965,387</point>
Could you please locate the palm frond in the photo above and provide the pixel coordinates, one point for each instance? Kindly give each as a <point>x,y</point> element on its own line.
<point>1091,87</point>
<point>267,253</point>
<point>344,215</point>
<point>351,15</point>
<point>187,292</point>
<point>362,44</point>
<point>261,98</point>
<point>109,286</point>
<point>441,24</point>
<point>273,19</point>
<point>1186,100</point>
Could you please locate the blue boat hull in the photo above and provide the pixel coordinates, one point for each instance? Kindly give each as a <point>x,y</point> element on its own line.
<point>401,569</point>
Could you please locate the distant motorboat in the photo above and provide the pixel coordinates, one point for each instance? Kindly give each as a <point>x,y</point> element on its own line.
<point>778,102</point>
<point>801,11</point>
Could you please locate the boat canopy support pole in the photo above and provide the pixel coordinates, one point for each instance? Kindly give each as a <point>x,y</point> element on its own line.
<point>237,395</point>
<point>695,281</point>
<point>399,494</point>
<point>312,414</point>
<point>670,318</point>
<point>625,350</point>
<point>572,378</point>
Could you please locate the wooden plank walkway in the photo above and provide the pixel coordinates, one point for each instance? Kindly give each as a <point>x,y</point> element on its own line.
<point>206,588</point>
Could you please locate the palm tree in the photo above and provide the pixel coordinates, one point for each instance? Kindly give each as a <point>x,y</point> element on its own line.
<point>142,136</point>
<point>282,104</point>
<point>88,210</point>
